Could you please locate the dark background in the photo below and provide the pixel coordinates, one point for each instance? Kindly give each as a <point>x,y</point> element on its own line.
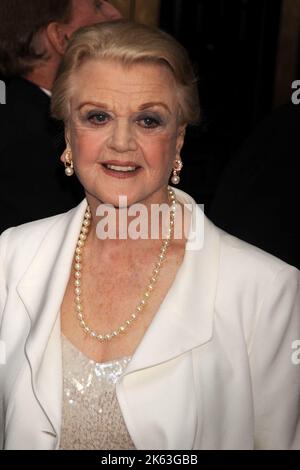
<point>234,46</point>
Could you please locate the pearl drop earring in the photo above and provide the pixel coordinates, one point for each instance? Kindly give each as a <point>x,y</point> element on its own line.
<point>177,166</point>
<point>69,167</point>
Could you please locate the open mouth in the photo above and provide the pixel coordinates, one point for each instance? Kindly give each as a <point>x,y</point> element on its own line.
<point>121,170</point>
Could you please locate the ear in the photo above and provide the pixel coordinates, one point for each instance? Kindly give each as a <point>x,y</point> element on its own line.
<point>63,156</point>
<point>67,139</point>
<point>57,36</point>
<point>180,138</point>
<point>67,135</point>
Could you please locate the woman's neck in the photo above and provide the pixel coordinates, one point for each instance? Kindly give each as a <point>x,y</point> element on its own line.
<point>123,227</point>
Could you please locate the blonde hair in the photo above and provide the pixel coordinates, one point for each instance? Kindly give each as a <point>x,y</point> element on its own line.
<point>128,43</point>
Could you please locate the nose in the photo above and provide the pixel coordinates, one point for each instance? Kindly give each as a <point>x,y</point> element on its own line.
<point>110,12</point>
<point>122,139</point>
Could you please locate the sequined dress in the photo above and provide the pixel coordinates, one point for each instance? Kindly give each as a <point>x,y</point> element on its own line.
<point>91,415</point>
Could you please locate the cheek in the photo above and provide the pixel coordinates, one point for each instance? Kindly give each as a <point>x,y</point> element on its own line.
<point>86,146</point>
<point>159,150</point>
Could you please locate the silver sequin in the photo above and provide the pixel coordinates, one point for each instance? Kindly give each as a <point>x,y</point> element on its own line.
<point>91,417</point>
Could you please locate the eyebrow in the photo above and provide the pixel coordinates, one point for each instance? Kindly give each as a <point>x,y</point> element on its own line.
<point>142,107</point>
<point>152,104</point>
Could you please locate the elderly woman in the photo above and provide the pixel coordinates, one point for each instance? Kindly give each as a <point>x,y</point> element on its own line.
<point>112,341</point>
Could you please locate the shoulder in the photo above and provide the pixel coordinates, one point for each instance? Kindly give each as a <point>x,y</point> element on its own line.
<point>37,247</point>
<point>254,288</point>
<point>23,241</point>
<point>22,91</point>
<point>246,257</point>
<point>36,227</point>
<point>247,272</point>
<point>238,257</point>
<point>245,260</point>
<point>26,111</point>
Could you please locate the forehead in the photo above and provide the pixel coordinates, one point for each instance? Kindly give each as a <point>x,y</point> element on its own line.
<point>113,81</point>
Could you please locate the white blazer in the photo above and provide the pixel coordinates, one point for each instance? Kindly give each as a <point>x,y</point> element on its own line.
<point>213,371</point>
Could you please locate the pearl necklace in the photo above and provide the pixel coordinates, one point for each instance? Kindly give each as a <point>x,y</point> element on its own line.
<point>155,274</point>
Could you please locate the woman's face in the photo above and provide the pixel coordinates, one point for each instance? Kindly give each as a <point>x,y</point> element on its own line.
<point>124,131</point>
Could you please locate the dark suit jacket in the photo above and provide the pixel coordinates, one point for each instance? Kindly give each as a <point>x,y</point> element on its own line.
<point>32,180</point>
<point>258,199</point>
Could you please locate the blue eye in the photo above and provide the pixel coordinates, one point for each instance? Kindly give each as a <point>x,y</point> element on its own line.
<point>149,122</point>
<point>98,117</point>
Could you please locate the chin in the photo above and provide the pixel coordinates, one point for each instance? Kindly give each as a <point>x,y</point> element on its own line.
<point>120,200</point>
<point>127,197</point>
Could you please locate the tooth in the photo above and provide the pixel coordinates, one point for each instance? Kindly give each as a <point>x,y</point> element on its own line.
<point>121,168</point>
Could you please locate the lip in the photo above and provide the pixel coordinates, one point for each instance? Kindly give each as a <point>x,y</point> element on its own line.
<point>118,163</point>
<point>120,175</point>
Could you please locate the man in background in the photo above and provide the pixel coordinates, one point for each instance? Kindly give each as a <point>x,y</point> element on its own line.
<point>33,38</point>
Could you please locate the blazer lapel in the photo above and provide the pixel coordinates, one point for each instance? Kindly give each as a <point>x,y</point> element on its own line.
<point>42,290</point>
<point>155,399</point>
<point>185,318</point>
